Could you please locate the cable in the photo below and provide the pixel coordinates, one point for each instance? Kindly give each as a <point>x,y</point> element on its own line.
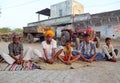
<point>19,5</point>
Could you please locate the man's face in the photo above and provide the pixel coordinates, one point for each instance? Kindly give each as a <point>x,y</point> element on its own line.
<point>108,42</point>
<point>87,39</point>
<point>49,38</point>
<point>16,39</point>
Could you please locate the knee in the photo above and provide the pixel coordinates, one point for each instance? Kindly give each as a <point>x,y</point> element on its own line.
<point>60,47</point>
<point>37,52</point>
<point>116,50</point>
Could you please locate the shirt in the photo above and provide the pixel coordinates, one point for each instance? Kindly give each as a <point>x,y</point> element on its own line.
<point>49,47</point>
<point>107,50</point>
<point>15,49</point>
<point>85,48</point>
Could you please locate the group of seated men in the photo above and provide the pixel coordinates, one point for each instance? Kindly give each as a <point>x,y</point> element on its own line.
<point>86,51</point>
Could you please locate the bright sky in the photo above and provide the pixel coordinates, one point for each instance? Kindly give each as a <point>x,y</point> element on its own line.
<point>17,13</point>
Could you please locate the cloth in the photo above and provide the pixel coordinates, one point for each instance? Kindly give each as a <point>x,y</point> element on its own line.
<point>49,32</point>
<point>65,58</point>
<point>107,50</point>
<point>7,58</point>
<point>89,48</point>
<point>49,47</point>
<point>35,53</point>
<point>27,56</point>
<point>99,56</point>
<point>15,49</point>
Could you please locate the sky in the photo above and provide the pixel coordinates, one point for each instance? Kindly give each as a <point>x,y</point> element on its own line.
<point>18,13</point>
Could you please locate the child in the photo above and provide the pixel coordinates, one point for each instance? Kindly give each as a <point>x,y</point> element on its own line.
<point>109,51</point>
<point>68,58</point>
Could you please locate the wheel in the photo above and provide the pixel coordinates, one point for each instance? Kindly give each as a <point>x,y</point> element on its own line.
<point>65,37</point>
<point>30,38</point>
<point>97,41</point>
<point>42,38</point>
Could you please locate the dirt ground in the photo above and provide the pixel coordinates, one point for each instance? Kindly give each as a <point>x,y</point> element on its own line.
<point>102,71</point>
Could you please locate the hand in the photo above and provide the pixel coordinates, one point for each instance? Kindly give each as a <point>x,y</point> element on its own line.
<point>91,60</point>
<point>68,63</point>
<point>51,61</point>
<point>113,60</point>
<point>18,62</point>
<point>21,58</point>
<point>86,60</point>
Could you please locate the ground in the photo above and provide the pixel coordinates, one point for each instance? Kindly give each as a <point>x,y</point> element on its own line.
<point>97,72</point>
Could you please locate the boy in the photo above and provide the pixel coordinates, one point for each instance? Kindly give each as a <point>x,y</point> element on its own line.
<point>87,49</point>
<point>68,58</point>
<point>109,51</point>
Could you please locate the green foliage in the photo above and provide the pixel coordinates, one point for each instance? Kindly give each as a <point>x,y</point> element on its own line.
<point>7,30</point>
<point>18,30</point>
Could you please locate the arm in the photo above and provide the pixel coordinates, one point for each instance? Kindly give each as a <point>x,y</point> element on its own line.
<point>10,48</point>
<point>44,49</point>
<point>106,52</point>
<point>45,52</point>
<point>21,53</point>
<point>53,52</point>
<point>113,53</point>
<point>21,56</point>
<point>94,49</point>
<point>80,47</point>
<point>70,53</point>
<point>54,46</point>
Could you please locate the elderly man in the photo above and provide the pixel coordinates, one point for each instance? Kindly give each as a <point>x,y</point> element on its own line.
<point>50,53</point>
<point>49,47</point>
<point>15,51</point>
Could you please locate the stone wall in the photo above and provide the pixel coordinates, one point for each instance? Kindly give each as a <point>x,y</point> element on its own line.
<point>108,24</point>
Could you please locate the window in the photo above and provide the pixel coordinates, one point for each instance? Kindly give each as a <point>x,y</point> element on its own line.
<point>60,12</point>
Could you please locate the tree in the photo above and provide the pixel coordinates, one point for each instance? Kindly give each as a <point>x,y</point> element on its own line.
<point>18,30</point>
<point>5,30</point>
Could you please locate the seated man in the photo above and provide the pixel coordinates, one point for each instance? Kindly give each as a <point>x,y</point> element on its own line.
<point>49,47</point>
<point>109,51</point>
<point>68,58</point>
<point>15,51</point>
<point>50,53</point>
<point>87,49</point>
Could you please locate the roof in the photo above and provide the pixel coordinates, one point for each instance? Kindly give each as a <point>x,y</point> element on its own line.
<point>45,11</point>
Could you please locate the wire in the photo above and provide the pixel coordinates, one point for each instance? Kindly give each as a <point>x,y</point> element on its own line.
<point>23,4</point>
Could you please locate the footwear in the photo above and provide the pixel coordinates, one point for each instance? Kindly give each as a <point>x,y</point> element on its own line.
<point>113,60</point>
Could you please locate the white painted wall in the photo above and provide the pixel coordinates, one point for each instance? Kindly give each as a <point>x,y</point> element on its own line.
<point>112,31</point>
<point>68,7</point>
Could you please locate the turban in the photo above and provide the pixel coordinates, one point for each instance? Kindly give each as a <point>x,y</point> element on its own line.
<point>49,32</point>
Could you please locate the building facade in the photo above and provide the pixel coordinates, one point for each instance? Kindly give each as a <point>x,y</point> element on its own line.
<point>68,7</point>
<point>70,14</point>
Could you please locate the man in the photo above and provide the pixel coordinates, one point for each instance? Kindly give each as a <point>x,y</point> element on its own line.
<point>87,49</point>
<point>49,47</point>
<point>15,51</point>
<point>50,53</point>
<point>109,51</point>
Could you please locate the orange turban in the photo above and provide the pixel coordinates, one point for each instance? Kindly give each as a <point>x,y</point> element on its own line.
<point>49,32</point>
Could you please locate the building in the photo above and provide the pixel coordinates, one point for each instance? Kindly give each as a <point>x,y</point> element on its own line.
<point>70,14</point>
<point>68,7</point>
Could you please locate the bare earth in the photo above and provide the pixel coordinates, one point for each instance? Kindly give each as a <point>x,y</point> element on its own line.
<point>96,72</point>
